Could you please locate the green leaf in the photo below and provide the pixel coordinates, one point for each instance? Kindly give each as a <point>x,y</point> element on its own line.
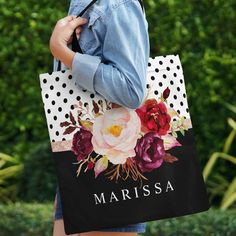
<point>182,131</point>
<point>174,134</point>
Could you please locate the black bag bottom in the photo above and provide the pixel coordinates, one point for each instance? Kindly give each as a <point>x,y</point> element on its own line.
<point>90,204</point>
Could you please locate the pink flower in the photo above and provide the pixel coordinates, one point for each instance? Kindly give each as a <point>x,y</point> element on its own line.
<point>115,134</point>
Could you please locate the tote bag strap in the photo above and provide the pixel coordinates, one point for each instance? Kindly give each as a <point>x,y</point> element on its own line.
<point>75,44</point>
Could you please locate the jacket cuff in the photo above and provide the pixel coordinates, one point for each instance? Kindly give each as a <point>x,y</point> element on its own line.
<point>83,70</point>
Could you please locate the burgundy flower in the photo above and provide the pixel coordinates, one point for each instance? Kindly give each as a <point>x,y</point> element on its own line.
<point>81,144</point>
<point>166,93</point>
<point>149,152</point>
<point>154,116</point>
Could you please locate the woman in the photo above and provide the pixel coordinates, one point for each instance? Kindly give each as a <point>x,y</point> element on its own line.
<point>113,36</point>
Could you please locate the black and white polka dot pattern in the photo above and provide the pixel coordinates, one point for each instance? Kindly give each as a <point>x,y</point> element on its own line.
<point>60,93</point>
<point>167,71</point>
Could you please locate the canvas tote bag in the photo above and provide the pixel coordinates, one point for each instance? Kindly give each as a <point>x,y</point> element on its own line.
<point>118,166</point>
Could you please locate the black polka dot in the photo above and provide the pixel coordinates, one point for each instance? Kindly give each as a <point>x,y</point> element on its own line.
<point>152,78</point>
<point>54,117</point>
<point>178,67</point>
<point>184,95</point>
<point>157,70</point>
<point>66,116</point>
<point>175,74</point>
<point>149,64</point>
<point>147,86</point>
<point>53,140</point>
<point>46,95</point>
<point>59,109</point>
<point>71,91</point>
<point>156,92</point>
<point>160,62</point>
<point>171,82</point>
<point>72,107</point>
<point>164,76</point>
<point>44,81</point>
<point>181,103</point>
<point>63,71</point>
<point>84,90</point>
<point>57,133</point>
<point>63,85</point>
<point>92,95</point>
<point>178,88</point>
<point>58,94</point>
<point>187,110</point>
<point>51,87</point>
<point>85,104</point>
<point>181,81</point>
<point>171,105</point>
<point>49,111</point>
<point>178,111</point>
<point>65,100</point>
<point>168,68</point>
<point>78,98</point>
<point>51,126</point>
<point>160,84</point>
<point>63,139</point>
<point>70,77</point>
<point>175,97</point>
<point>57,79</point>
<point>171,61</point>
<point>53,102</point>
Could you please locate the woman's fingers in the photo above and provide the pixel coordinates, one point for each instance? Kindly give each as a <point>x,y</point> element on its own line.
<point>69,18</point>
<point>77,31</point>
<point>77,22</point>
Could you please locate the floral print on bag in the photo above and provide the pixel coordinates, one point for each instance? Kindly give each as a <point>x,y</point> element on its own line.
<point>127,143</point>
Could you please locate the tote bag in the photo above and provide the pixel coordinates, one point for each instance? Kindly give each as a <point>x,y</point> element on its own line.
<point>118,166</point>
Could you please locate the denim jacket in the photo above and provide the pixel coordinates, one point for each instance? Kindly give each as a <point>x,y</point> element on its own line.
<point>115,46</point>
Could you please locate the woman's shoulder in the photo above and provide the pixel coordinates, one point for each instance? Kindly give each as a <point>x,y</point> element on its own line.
<point>102,9</point>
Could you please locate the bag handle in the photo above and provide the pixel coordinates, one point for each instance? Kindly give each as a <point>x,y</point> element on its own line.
<point>75,44</point>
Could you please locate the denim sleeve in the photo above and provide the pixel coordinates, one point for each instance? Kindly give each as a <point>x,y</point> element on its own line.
<point>121,76</point>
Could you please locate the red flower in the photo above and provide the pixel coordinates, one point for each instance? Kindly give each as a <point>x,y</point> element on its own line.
<point>90,165</point>
<point>154,116</point>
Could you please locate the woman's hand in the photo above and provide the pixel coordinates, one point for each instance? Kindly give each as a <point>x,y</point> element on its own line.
<point>62,36</point>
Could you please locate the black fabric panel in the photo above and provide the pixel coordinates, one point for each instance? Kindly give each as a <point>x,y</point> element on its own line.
<point>81,214</point>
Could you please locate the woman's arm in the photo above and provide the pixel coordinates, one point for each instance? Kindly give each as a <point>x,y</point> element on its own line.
<point>121,76</point>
